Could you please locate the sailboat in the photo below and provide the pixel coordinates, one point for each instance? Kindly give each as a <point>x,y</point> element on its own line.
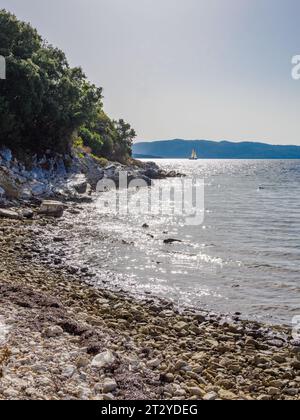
<point>194,155</point>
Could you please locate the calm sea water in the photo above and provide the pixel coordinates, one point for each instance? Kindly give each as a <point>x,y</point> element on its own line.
<point>244,258</point>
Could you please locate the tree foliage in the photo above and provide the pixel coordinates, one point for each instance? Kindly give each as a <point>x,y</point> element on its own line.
<point>46,104</point>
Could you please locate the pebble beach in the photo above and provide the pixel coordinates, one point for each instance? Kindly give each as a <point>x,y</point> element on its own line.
<point>63,338</point>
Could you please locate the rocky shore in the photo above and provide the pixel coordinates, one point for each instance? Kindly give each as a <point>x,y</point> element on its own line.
<point>71,177</point>
<point>62,338</point>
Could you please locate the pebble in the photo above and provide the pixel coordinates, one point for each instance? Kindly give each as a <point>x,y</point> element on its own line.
<point>102,360</point>
<point>211,396</point>
<point>55,331</point>
<point>109,385</point>
<point>154,363</point>
<point>82,362</point>
<point>273,391</point>
<point>198,392</point>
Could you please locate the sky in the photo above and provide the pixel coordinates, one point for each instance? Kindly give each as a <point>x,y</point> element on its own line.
<point>193,69</point>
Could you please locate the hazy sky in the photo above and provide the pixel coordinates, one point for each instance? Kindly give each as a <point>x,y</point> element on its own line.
<point>195,69</point>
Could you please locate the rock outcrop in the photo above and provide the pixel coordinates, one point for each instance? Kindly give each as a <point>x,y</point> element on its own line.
<point>69,177</point>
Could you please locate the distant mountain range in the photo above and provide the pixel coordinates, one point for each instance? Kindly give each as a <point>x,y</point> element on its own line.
<point>180,149</point>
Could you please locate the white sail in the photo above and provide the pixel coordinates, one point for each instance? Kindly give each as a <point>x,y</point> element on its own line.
<point>194,155</point>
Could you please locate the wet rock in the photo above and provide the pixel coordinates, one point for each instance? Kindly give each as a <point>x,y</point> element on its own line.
<point>58,239</point>
<point>171,241</point>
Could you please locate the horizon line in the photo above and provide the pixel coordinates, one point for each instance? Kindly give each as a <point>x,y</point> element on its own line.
<point>217,141</point>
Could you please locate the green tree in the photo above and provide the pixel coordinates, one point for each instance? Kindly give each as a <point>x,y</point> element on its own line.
<point>46,104</point>
<point>125,136</point>
<point>43,101</point>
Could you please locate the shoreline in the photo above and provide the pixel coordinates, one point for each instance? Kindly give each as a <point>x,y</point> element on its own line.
<point>154,351</point>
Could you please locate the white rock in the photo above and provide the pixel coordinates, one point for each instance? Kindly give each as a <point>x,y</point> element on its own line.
<point>104,359</point>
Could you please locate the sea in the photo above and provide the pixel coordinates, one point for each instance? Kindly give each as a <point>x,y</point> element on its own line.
<point>244,256</point>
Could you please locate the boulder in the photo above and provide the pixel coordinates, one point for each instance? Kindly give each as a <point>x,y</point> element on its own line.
<point>52,208</point>
<point>9,214</point>
<point>79,184</point>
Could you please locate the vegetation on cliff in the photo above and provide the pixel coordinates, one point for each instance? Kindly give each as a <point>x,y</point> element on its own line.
<point>47,105</point>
